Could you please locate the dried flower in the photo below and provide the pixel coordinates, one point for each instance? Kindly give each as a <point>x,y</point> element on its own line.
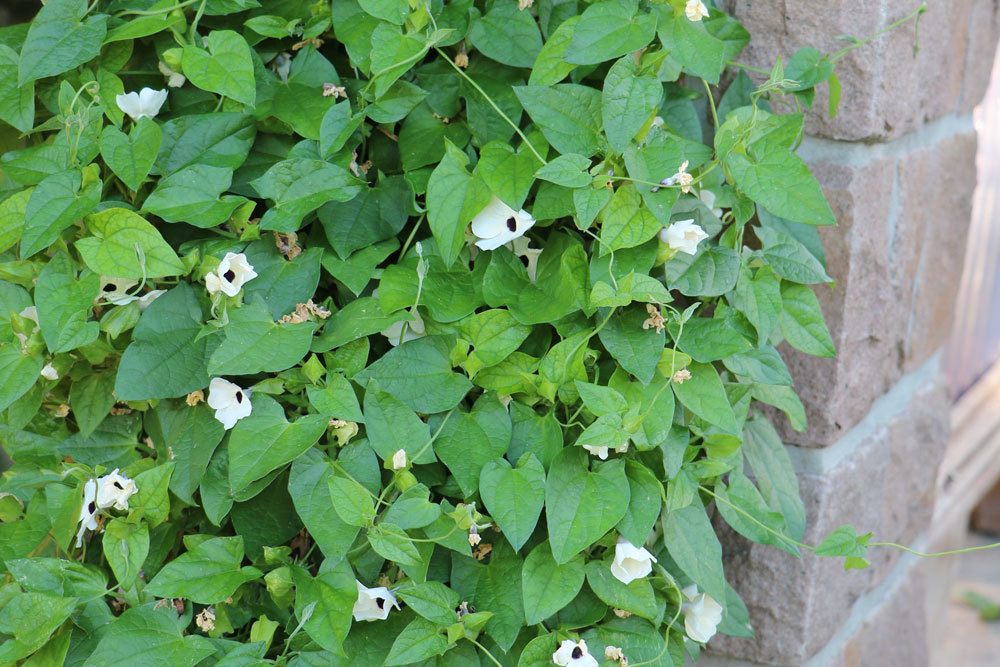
<point>288,244</point>
<point>681,376</point>
<point>695,10</point>
<point>195,397</point>
<point>655,319</point>
<point>205,620</point>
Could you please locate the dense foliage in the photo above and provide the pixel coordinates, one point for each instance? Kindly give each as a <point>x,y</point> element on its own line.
<point>396,331</point>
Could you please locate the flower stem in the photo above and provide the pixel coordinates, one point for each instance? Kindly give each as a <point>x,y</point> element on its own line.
<point>487,652</point>
<point>711,103</point>
<point>493,104</point>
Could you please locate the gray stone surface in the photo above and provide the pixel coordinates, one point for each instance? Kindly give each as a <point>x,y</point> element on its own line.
<point>890,87</point>
<point>883,482</point>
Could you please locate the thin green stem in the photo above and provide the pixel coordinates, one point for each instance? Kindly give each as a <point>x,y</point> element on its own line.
<point>434,437</point>
<point>487,652</point>
<point>413,233</point>
<point>193,33</point>
<point>489,100</point>
<point>711,103</point>
<point>914,15</point>
<point>155,12</point>
<point>936,554</point>
<point>752,519</point>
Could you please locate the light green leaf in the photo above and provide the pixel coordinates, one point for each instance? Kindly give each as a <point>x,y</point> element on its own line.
<point>507,35</point>
<point>17,102</point>
<point>610,29</point>
<point>191,195</point>
<point>568,170</point>
<point>514,496</point>
<point>637,349</point>
<point>131,156</point>
<point>713,273</point>
<point>432,600</point>
<point>64,303</point>
<point>626,223</point>
<point>309,487</point>
<point>704,395</point>
<point>452,201</point>
<point>773,472</point>
<point>28,619</point>
<point>208,572</point>
<point>255,343</point>
<point>330,595</point>
<point>628,101</point>
<point>225,68</point>
<point>215,139</point>
<point>60,38</point>
<point>802,322</point>
<point>691,542</point>
<point>153,632</point>
<point>126,546</point>
<point>508,173</point>
<point>299,186</point>
<point>636,597</point>
<point>645,500</point>
<point>568,114</point>
<point>550,66</point>
<point>547,585</point>
<point>420,640</point>
<point>582,505</point>
<point>124,245</point>
<point>56,203</point>
<point>392,426</point>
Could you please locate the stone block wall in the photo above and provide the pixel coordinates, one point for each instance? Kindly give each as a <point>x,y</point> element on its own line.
<point>898,165</point>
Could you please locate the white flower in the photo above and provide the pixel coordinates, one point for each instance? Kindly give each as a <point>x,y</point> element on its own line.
<point>49,372</point>
<point>114,490</point>
<point>150,297</point>
<point>144,104</point>
<point>414,329</point>
<point>174,79</point>
<point>707,197</point>
<point>230,402</point>
<point>683,236</point>
<point>399,460</point>
<point>233,272</point>
<point>695,10</point>
<point>601,451</point>
<point>373,603</point>
<point>702,614</point>
<point>115,290</point>
<point>498,224</point>
<point>631,562</point>
<point>88,512</point>
<point>573,654</point>
<point>528,255</point>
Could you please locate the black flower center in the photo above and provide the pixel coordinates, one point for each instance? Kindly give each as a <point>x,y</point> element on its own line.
<point>524,260</point>
<point>229,275</point>
<point>512,224</point>
<point>577,653</point>
<point>239,397</point>
<point>380,603</point>
<point>110,287</point>
<point>118,485</point>
<point>91,507</point>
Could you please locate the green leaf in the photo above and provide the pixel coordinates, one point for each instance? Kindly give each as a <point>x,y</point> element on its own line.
<point>689,43</point>
<point>626,223</point>
<point>392,426</point>
<point>777,179</point>
<point>636,597</point>
<point>166,358</point>
<point>393,11</point>
<point>629,99</point>
<point>191,195</point>
<point>215,139</point>
<point>131,156</point>
<point>468,441</point>
<point>645,500</point>
<point>309,487</point>
<point>126,546</point>
<point>124,245</point>
<point>330,595</point>
<point>28,619</point>
<point>507,35</point>
<point>773,472</point>
<point>713,273</point>
<point>432,600</point>
<point>374,215</point>
<point>207,573</point>
<point>758,296</point>
<point>419,374</point>
<point>547,585</point>
<point>452,201</point>
<point>637,349</point>
<point>706,340</point>
<point>92,398</point>
<point>494,335</point>
<point>60,38</point>
<point>337,126</point>
<point>254,343</point>
<point>225,68</point>
<point>609,30</point>
<point>744,509</point>
<point>336,400</point>
<point>55,204</point>
<point>550,66</point>
<point>763,365</point>
<point>601,400</point>
<point>152,502</point>
<point>390,542</point>
<point>299,186</point>
<point>582,505</point>
<point>790,259</point>
<point>153,632</point>
<point>568,170</point>
<point>514,496</point>
<point>509,173</point>
<point>191,434</point>
<point>420,640</point>
<point>17,102</point>
<point>12,218</point>
<point>266,440</point>
<point>704,395</point>
<point>802,322</point>
<point>392,54</point>
<point>64,303</point>
<point>568,114</point>
<point>691,542</point>
<point>351,501</point>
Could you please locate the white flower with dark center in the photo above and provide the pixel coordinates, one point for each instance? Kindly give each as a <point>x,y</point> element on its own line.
<point>233,272</point>
<point>528,255</point>
<point>631,562</point>
<point>399,460</point>
<point>683,236</point>
<point>114,490</point>
<point>707,197</point>
<point>49,372</point>
<point>373,603</point>
<point>395,333</point>
<point>573,654</point>
<point>498,224</point>
<point>601,451</point>
<point>695,10</point>
<point>174,79</point>
<point>230,401</point>
<point>702,614</point>
<point>116,291</point>
<point>88,512</point>
<point>144,104</point>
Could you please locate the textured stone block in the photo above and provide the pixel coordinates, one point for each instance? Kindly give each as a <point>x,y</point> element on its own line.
<point>889,87</point>
<point>903,211</point>
<point>881,479</point>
